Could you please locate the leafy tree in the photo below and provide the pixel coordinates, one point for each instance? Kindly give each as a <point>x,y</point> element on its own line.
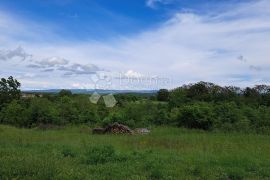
<point>178,97</point>
<point>200,90</point>
<point>262,123</point>
<point>202,105</point>
<point>262,89</point>
<point>198,116</point>
<point>9,90</point>
<point>230,93</point>
<point>67,110</point>
<point>162,117</point>
<point>87,111</point>
<point>228,116</point>
<point>64,92</point>
<point>15,114</point>
<point>264,92</point>
<point>163,95</point>
<point>43,111</point>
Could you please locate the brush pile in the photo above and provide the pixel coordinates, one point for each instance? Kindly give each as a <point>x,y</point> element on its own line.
<point>117,128</point>
<point>114,128</point>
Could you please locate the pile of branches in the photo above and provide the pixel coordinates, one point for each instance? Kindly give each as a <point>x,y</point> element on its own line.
<point>114,128</point>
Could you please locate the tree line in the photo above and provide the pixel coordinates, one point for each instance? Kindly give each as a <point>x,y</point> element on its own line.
<point>201,105</point>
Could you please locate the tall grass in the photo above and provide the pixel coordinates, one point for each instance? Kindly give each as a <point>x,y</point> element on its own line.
<point>166,153</point>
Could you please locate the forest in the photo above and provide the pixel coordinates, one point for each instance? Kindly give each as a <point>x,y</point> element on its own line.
<point>201,105</point>
<point>196,131</point>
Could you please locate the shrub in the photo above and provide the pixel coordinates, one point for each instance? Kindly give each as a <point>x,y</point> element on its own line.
<point>119,117</point>
<point>16,114</point>
<point>67,110</point>
<point>44,111</point>
<point>198,116</point>
<point>228,117</point>
<point>161,117</point>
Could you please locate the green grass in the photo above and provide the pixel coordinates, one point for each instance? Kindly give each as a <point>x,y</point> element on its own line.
<point>166,153</point>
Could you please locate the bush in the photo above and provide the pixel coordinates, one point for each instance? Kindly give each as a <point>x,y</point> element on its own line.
<point>161,117</point>
<point>198,116</point>
<point>119,117</point>
<point>146,113</point>
<point>262,122</point>
<point>44,111</point>
<point>228,117</point>
<point>67,110</point>
<point>16,114</point>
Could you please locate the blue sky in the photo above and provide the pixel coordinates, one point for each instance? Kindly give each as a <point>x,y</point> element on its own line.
<point>65,43</point>
<point>99,19</point>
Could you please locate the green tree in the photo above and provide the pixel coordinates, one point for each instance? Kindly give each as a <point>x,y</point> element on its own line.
<point>178,97</point>
<point>228,116</point>
<point>15,114</point>
<point>87,111</point>
<point>68,111</point>
<point>43,111</point>
<point>163,95</point>
<point>64,92</point>
<point>197,116</point>
<point>9,90</point>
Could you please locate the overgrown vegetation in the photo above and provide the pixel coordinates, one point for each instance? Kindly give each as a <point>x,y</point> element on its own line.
<point>67,150</point>
<point>165,153</point>
<point>197,106</point>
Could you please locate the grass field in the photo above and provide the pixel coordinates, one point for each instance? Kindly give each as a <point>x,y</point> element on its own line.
<point>166,153</point>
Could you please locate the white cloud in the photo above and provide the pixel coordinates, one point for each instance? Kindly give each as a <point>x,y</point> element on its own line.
<point>231,47</point>
<point>53,61</point>
<point>79,69</point>
<point>16,53</point>
<point>132,74</point>
<point>153,3</point>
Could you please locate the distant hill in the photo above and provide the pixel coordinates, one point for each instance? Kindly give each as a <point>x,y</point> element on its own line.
<point>90,91</point>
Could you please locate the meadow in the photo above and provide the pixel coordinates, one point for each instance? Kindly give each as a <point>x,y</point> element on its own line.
<point>166,153</point>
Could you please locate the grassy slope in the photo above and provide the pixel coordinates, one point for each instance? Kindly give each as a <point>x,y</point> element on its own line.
<point>167,153</point>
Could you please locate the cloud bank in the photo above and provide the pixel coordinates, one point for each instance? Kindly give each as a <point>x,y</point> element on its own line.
<point>16,53</point>
<point>230,47</point>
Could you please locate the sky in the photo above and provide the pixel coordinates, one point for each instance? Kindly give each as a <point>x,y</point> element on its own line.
<point>134,44</point>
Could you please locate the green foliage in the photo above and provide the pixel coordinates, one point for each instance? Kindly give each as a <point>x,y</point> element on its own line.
<point>163,95</point>
<point>202,105</point>
<point>228,116</point>
<point>198,116</point>
<point>14,113</point>
<point>67,110</point>
<point>43,111</point>
<point>178,97</point>
<point>9,90</point>
<point>64,92</point>
<point>87,112</point>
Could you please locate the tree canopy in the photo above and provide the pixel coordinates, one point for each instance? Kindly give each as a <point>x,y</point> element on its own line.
<point>9,90</point>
